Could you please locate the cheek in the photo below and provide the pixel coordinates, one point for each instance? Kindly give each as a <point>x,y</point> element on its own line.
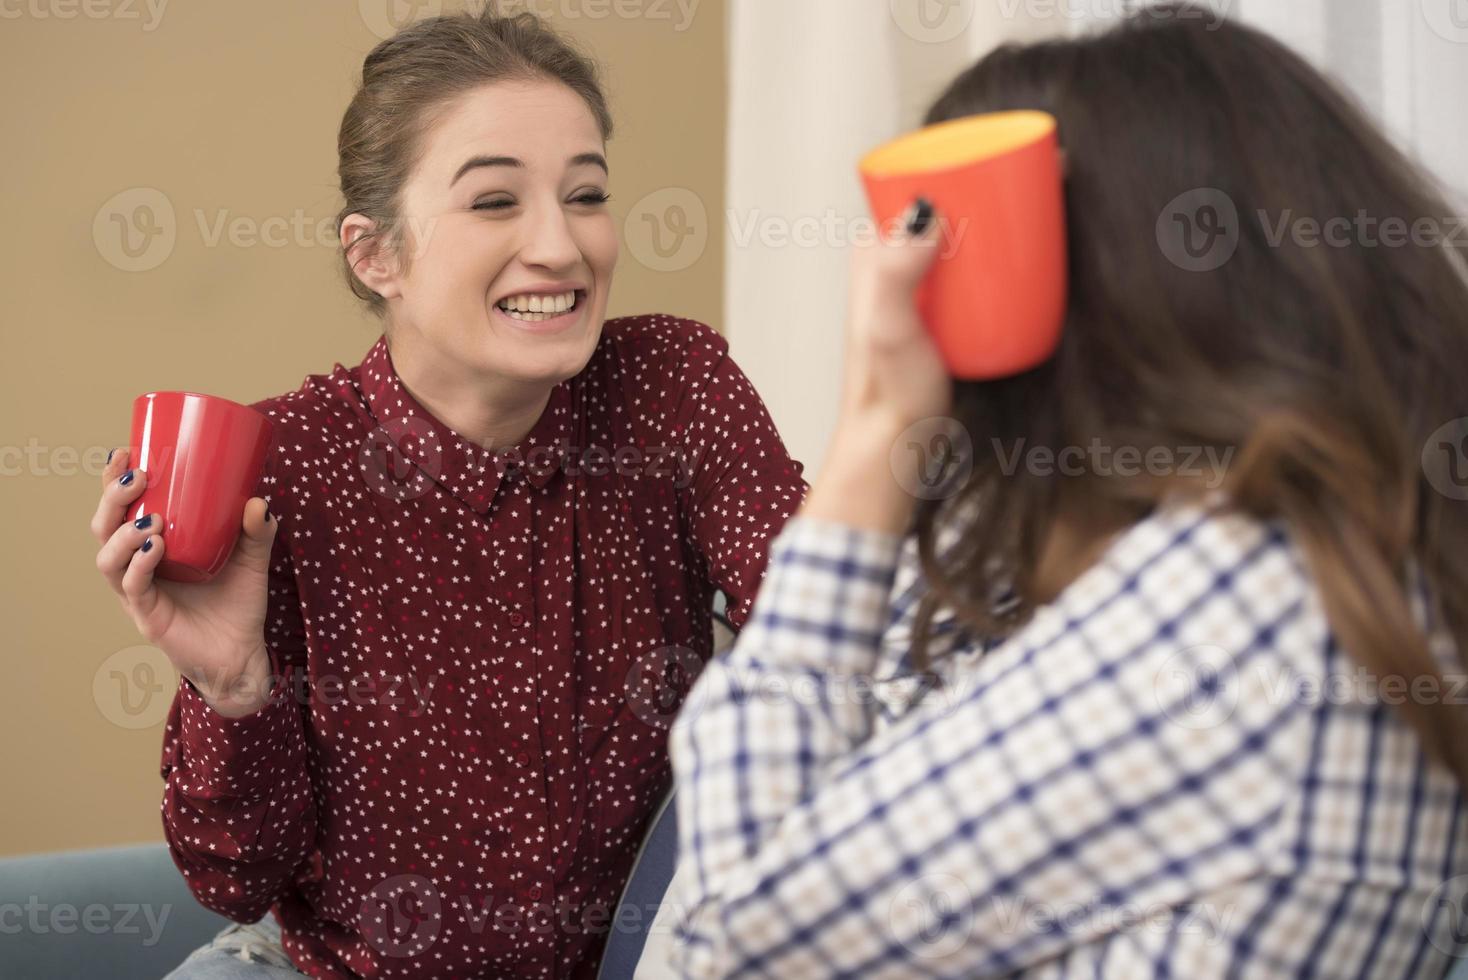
<point>600,245</point>
<point>464,260</point>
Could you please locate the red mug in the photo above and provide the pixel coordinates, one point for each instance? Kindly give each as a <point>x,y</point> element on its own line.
<point>204,457</point>
<point>995,298</point>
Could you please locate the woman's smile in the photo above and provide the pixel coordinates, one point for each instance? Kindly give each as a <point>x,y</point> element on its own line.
<point>542,311</point>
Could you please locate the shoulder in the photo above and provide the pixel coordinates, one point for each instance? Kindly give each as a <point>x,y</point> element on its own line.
<point>323,405</point>
<point>322,421</point>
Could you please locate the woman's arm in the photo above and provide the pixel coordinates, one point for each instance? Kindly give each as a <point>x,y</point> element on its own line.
<point>738,485</point>
<point>238,810</point>
<point>1057,777</point>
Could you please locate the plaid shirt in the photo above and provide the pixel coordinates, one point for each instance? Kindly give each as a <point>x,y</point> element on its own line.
<point>1170,770</point>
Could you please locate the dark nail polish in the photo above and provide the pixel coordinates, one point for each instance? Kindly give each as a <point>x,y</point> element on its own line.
<point>147,545</point>
<point>919,216</point>
<point>127,478</point>
<point>110,454</point>
<point>143,522</point>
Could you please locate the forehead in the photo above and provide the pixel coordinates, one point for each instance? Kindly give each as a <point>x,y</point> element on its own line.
<point>535,120</point>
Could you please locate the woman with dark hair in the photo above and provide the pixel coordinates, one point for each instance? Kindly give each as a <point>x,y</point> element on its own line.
<point>1136,717</point>
<point>423,713</point>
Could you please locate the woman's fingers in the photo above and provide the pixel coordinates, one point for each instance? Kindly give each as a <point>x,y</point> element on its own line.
<point>116,495</point>
<point>127,538</point>
<point>139,586</point>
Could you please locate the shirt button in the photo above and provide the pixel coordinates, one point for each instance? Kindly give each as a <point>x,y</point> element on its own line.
<point>516,619</point>
<point>522,758</point>
<point>533,892</point>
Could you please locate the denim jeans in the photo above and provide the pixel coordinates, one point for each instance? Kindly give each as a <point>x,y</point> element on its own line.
<point>239,952</point>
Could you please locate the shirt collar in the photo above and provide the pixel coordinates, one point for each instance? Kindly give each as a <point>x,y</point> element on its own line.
<point>409,437</point>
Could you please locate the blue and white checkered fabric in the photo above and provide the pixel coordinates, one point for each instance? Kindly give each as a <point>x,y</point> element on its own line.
<point>1171,770</point>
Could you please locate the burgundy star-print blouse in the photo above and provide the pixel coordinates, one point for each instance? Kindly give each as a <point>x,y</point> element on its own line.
<point>481,653</point>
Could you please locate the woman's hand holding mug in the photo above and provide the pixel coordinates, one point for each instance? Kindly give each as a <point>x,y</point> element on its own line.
<point>213,632</point>
<point>894,377</point>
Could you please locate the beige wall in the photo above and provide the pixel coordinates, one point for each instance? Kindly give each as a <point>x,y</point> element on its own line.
<point>224,109</point>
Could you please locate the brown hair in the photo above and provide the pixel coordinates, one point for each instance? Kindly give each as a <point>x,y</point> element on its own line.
<point>1327,367</point>
<point>408,80</point>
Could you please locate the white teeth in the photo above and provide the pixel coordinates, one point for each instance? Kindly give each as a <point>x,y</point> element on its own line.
<point>539,303</point>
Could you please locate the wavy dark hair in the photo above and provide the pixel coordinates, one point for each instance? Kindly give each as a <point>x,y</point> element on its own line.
<point>1323,369</point>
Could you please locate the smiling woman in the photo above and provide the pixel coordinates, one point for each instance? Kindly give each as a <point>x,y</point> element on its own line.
<point>442,520</point>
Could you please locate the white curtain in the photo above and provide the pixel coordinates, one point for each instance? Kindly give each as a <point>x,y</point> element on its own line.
<point>814,83</point>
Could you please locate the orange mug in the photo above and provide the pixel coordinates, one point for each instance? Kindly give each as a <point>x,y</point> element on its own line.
<point>995,298</point>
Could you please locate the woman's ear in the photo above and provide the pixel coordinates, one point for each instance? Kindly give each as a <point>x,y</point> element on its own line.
<point>370,258</point>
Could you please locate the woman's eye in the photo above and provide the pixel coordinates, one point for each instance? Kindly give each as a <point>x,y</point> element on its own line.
<point>498,204</point>
<point>592,197</point>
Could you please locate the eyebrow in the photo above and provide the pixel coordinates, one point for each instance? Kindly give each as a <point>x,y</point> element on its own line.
<point>579,160</point>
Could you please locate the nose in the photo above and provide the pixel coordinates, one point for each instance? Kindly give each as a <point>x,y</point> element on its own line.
<point>548,242</point>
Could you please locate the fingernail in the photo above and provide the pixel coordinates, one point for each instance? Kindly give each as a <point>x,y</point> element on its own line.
<point>127,478</point>
<point>110,453</point>
<point>919,216</point>
<point>143,522</point>
<point>147,545</point>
